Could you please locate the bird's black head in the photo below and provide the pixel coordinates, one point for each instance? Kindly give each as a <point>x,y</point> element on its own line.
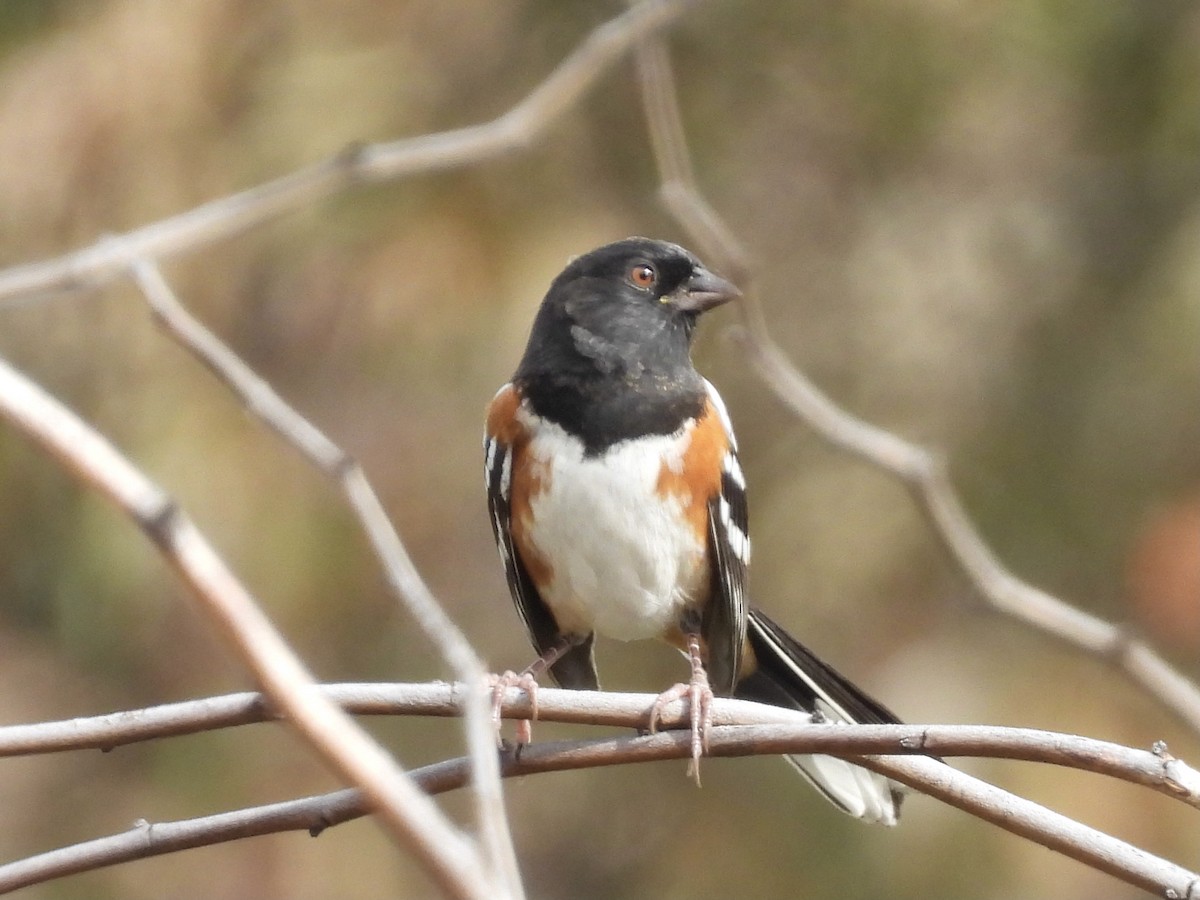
<point>625,309</point>
<point>613,334</point>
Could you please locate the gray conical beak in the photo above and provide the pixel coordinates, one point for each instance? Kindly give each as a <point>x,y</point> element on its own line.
<point>703,291</point>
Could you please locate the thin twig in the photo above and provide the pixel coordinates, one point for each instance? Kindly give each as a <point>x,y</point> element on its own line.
<point>923,472</point>
<point>314,814</point>
<point>146,839</point>
<point>409,587</point>
<point>409,815</point>
<point>217,220</point>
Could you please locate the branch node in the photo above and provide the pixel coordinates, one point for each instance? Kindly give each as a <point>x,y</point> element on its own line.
<point>343,465</point>
<point>263,706</point>
<point>349,159</point>
<point>1118,647</point>
<point>319,827</point>
<point>143,827</point>
<point>160,522</point>
<point>915,742</point>
<point>1175,780</point>
<point>928,465</point>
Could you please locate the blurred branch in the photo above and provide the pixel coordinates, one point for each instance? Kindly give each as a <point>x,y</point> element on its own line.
<point>219,219</point>
<point>402,575</point>
<point>923,472</point>
<point>740,729</point>
<point>926,476</point>
<point>408,814</point>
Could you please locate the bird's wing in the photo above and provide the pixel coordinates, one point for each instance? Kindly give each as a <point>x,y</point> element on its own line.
<point>724,621</point>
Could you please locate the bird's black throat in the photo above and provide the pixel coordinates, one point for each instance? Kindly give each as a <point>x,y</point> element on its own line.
<point>602,412</point>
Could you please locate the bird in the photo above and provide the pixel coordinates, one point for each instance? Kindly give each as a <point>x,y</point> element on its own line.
<point>618,505</point>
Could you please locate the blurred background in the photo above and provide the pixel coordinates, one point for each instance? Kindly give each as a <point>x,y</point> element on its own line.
<point>974,224</point>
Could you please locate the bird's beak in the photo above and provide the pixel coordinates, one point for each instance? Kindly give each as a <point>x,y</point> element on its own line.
<point>702,292</point>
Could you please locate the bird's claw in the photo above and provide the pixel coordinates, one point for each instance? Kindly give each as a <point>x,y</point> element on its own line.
<point>700,697</point>
<point>499,684</point>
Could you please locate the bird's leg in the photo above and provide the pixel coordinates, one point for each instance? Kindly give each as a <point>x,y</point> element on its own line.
<point>526,680</point>
<point>700,697</point>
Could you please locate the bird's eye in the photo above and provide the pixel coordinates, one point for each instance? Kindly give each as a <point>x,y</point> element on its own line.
<point>643,275</point>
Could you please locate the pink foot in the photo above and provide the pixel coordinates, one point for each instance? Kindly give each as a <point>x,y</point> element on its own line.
<point>501,683</point>
<point>700,697</point>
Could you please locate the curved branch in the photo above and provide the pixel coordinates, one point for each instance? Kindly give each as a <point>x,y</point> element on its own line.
<point>1015,814</point>
<point>1154,768</point>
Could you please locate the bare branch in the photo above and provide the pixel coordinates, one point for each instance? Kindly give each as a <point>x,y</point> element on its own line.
<point>402,575</point>
<point>922,472</point>
<point>1050,829</point>
<point>145,839</point>
<point>409,815</point>
<point>929,776</point>
<point>1154,768</point>
<point>220,219</point>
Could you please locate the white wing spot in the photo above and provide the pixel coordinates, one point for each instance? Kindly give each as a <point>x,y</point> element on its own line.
<point>489,448</point>
<point>739,541</point>
<point>506,473</point>
<point>734,470</point>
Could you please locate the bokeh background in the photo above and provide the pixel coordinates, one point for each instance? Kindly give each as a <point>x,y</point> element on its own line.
<point>975,224</point>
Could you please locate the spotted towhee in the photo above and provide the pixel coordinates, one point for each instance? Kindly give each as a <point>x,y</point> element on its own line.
<point>619,506</point>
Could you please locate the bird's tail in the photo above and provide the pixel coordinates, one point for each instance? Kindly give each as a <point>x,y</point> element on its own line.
<point>789,675</point>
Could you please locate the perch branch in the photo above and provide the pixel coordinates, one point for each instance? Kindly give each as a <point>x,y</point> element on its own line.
<point>857,743</point>
<point>1155,768</point>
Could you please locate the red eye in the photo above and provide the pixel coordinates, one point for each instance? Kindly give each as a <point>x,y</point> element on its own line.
<point>643,275</point>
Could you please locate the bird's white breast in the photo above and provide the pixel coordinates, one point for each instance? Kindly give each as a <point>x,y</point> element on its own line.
<point>624,561</point>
